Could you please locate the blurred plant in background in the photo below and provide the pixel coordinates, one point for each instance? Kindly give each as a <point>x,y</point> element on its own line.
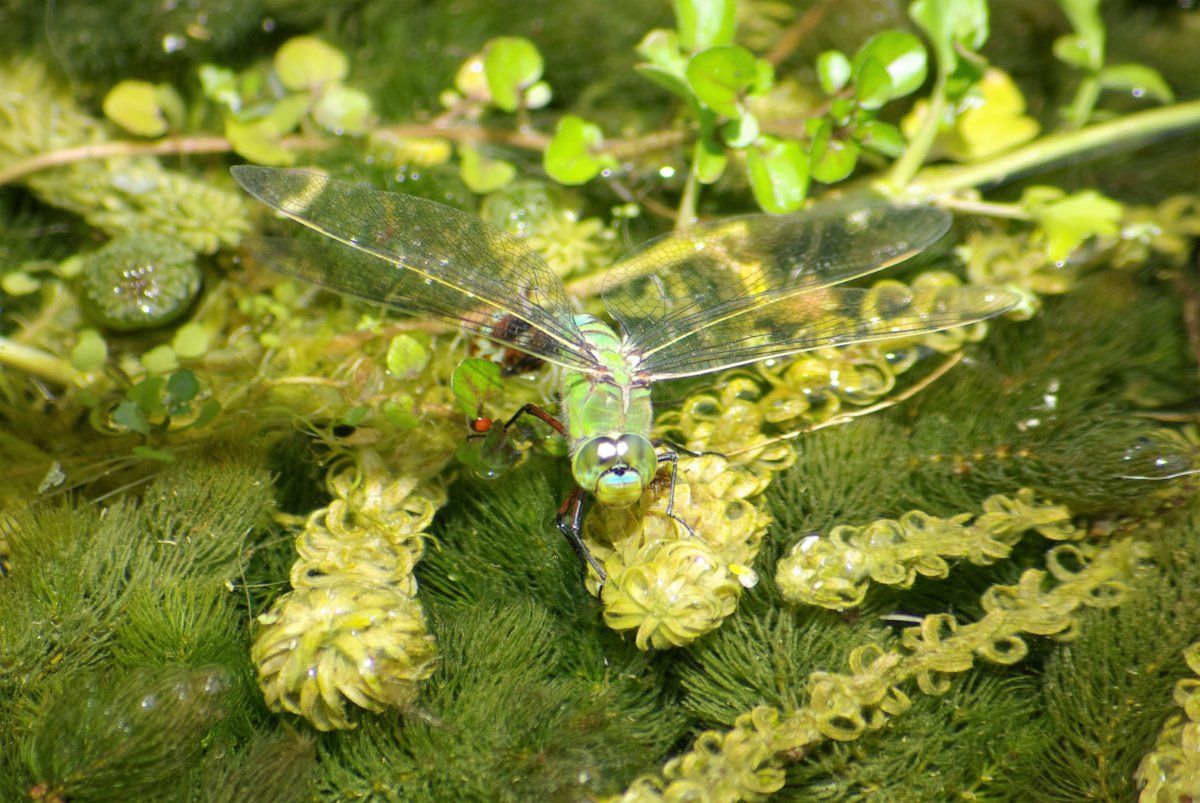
<point>185,434</point>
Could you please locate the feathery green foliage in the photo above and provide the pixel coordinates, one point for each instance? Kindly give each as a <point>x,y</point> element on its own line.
<point>244,550</point>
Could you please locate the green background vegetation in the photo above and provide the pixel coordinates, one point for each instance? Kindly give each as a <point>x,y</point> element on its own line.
<point>158,459</point>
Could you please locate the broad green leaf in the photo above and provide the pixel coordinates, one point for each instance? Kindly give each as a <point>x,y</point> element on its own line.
<point>343,110</point>
<point>950,24</point>
<point>355,415</point>
<point>721,76</point>
<point>134,105</point>
<point>902,56</point>
<point>1068,220</point>
<point>473,382</point>
<point>1137,79</point>
<point>778,171</point>
<point>406,356</point>
<point>512,65</point>
<point>481,174</point>
<point>90,352</point>
<point>705,23</point>
<point>880,137</point>
<point>569,158</point>
<point>833,71</point>
<point>306,62</point>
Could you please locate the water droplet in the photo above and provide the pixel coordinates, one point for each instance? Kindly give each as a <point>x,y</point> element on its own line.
<point>148,702</point>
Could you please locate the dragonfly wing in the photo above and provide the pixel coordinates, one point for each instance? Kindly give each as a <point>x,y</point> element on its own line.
<point>734,292</point>
<point>828,316</point>
<point>414,254</point>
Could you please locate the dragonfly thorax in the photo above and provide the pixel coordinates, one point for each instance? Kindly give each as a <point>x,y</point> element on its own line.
<point>615,469</point>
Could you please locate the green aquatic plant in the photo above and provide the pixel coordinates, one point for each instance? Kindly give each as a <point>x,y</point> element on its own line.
<point>269,543</point>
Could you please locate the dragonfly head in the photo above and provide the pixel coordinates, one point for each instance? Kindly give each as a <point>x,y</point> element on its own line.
<point>615,470</point>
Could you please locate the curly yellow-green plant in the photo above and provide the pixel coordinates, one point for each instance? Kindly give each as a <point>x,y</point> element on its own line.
<point>352,629</point>
<point>119,194</point>
<point>666,584</point>
<point>834,570</point>
<point>746,762</point>
<point>1171,771</point>
<point>670,586</point>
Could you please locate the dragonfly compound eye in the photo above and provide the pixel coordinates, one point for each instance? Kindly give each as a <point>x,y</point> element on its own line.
<point>616,470</point>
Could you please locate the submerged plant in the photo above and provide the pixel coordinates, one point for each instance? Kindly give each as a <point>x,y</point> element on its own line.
<point>237,509</point>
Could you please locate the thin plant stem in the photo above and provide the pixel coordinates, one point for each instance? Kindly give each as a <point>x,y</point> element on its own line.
<point>37,362</point>
<point>914,156</point>
<point>1121,134</point>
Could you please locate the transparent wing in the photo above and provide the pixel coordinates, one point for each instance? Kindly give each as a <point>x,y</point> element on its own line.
<point>828,316</point>
<point>414,254</point>
<point>734,292</point>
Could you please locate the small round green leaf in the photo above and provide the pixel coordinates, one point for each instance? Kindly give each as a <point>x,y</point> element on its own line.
<point>19,283</point>
<point>902,56</point>
<point>778,171</point>
<point>182,386</point>
<point>512,65</point>
<point>880,137</point>
<point>127,414</point>
<point>837,160</point>
<point>705,23</point>
<point>481,174</point>
<point>257,143</point>
<point>721,76</point>
<point>191,340</point>
<point>473,382</point>
<point>134,105</point>
<point>160,359</point>
<point>872,85</point>
<point>568,158</point>
<point>833,71</point>
<point>90,352</point>
<point>742,132</point>
<point>406,356</point>
<point>343,110</point>
<point>306,62</point>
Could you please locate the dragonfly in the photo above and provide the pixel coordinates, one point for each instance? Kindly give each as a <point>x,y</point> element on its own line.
<point>694,301</point>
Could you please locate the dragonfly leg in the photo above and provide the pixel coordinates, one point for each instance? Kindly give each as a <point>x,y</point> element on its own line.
<point>675,447</point>
<point>673,459</point>
<point>541,415</point>
<point>570,523</point>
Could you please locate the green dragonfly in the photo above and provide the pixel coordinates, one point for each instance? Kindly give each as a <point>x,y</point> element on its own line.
<point>699,300</point>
